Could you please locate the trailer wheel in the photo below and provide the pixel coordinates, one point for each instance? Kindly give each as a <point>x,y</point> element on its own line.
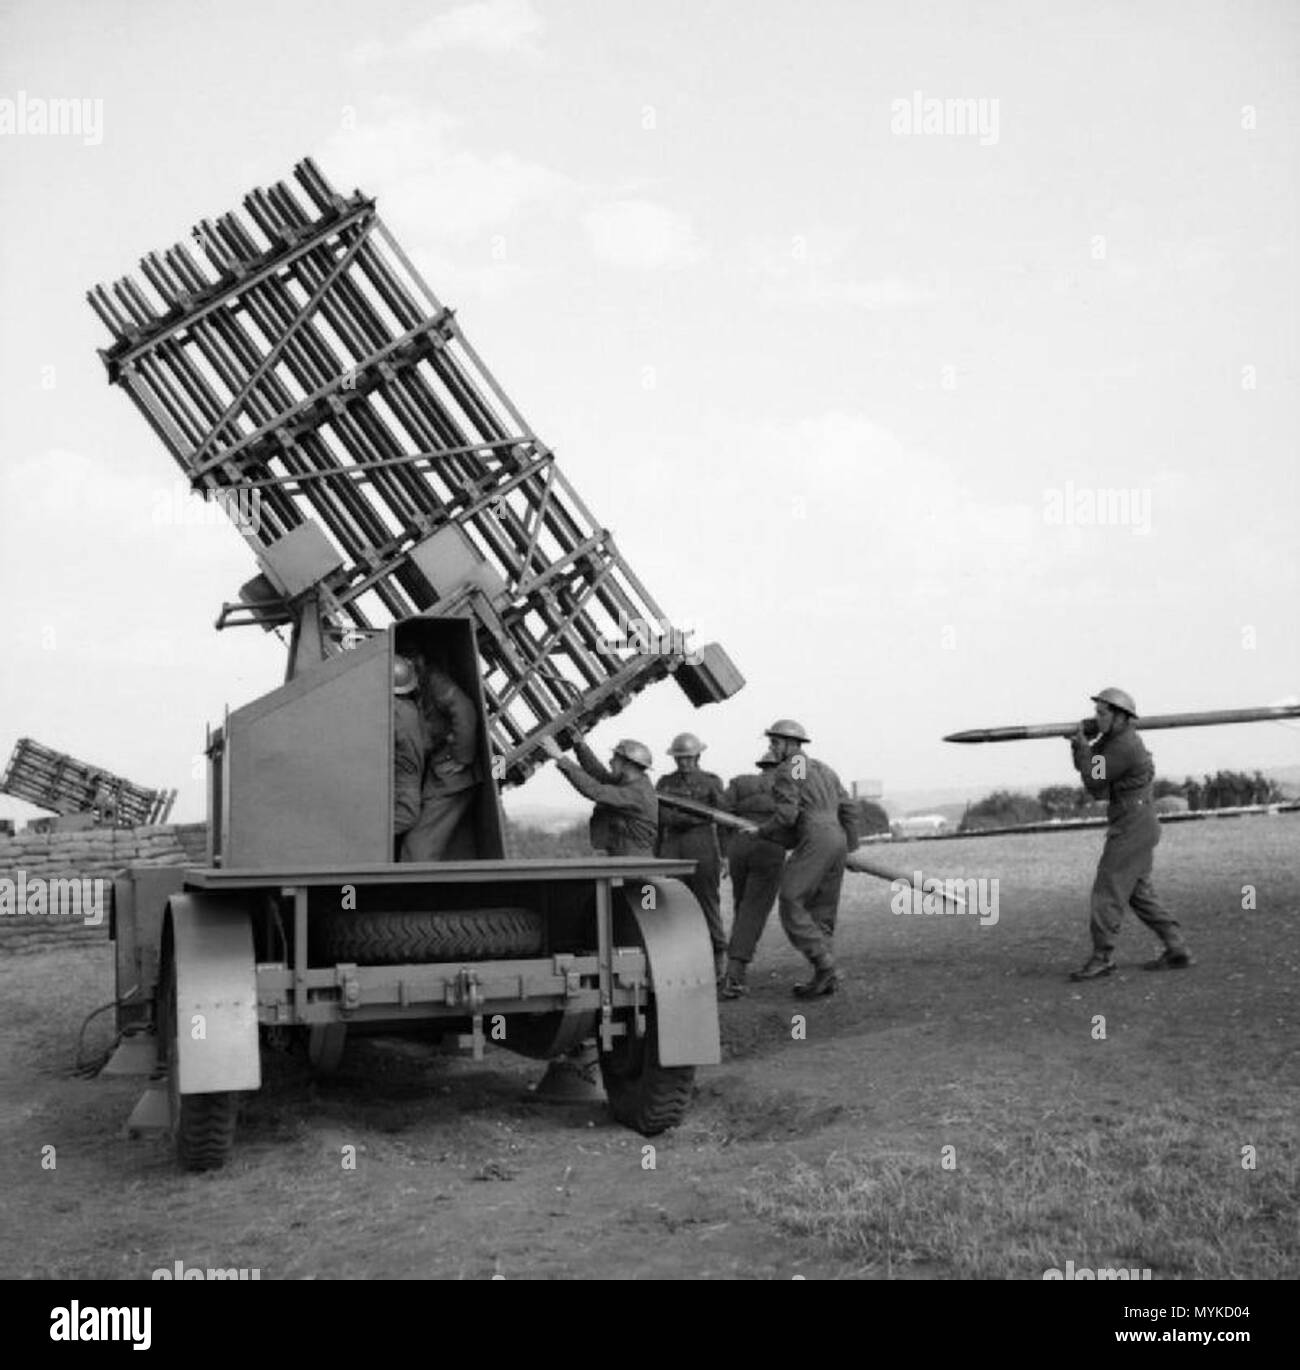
<point>203,1125</point>
<point>644,1095</point>
<point>388,939</point>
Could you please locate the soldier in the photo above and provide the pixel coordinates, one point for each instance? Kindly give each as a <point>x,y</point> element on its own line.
<point>756,864</point>
<point>682,836</point>
<point>409,751</point>
<point>813,814</point>
<point>451,773</point>
<point>626,817</point>
<point>623,823</point>
<point>1193,794</point>
<point>1117,767</point>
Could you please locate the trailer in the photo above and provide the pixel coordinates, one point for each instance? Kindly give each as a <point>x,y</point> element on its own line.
<point>300,372</point>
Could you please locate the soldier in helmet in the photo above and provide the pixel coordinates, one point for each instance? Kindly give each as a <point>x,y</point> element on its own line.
<point>626,817</point>
<point>812,815</point>
<point>756,864</point>
<point>682,836</point>
<point>410,748</point>
<point>624,822</point>
<point>1117,767</point>
<point>452,773</point>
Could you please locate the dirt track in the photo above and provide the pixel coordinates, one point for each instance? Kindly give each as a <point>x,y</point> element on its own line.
<point>946,1034</point>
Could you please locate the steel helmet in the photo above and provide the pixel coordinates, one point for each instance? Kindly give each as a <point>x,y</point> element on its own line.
<point>635,752</point>
<point>404,681</point>
<point>787,727</point>
<point>1117,699</point>
<point>685,744</point>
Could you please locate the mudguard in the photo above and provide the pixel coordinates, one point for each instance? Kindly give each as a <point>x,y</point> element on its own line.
<point>670,924</point>
<point>216,993</point>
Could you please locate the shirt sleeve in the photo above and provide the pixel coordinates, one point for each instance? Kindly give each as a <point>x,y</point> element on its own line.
<point>460,743</point>
<point>785,802</point>
<point>1116,760</point>
<point>591,763</point>
<point>408,768</point>
<point>622,797</point>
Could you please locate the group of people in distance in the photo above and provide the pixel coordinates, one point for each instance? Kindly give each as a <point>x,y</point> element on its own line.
<point>803,824</point>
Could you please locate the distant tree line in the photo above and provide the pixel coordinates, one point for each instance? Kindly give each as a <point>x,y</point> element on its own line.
<point>872,818</point>
<point>527,843</point>
<point>1008,809</point>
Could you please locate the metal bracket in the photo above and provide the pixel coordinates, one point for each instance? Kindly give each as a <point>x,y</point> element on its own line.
<point>346,977</point>
<point>465,989</point>
<point>474,1038</point>
<point>572,979</point>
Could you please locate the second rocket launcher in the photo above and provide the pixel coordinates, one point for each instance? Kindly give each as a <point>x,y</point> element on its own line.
<point>1207,719</point>
<point>855,861</point>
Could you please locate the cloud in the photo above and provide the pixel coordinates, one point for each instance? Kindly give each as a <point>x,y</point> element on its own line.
<point>808,270</point>
<point>641,235</point>
<point>454,209</point>
<point>853,518</point>
<point>490,26</point>
<point>465,206</point>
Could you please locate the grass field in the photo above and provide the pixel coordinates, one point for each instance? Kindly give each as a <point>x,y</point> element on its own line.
<point>955,1112</point>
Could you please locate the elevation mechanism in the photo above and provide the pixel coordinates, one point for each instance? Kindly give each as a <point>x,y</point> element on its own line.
<point>302,374</point>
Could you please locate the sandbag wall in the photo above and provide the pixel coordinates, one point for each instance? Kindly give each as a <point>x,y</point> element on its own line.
<point>95,853</point>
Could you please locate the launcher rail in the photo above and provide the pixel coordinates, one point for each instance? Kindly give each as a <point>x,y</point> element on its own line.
<point>300,371</point>
<point>53,780</point>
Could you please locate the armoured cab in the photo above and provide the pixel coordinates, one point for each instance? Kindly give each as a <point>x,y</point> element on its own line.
<point>303,776</point>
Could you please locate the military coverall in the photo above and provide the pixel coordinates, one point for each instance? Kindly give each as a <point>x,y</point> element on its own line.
<point>626,816</point>
<point>684,837</point>
<point>451,775</point>
<point>1117,767</point>
<point>815,816</point>
<point>755,862</point>
<point>409,750</point>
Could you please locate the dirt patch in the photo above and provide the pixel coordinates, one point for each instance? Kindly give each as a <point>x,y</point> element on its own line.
<point>817,1148</point>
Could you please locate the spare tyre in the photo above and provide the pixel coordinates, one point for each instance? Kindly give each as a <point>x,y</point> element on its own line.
<point>394,938</point>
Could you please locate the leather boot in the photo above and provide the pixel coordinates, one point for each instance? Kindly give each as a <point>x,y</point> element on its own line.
<point>1098,964</point>
<point>825,980</point>
<point>733,984</point>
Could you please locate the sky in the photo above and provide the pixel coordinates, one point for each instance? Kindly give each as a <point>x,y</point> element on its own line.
<point>845,319</point>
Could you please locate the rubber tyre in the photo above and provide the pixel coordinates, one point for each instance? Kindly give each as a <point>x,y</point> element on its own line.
<point>390,939</point>
<point>203,1125</point>
<point>644,1095</point>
